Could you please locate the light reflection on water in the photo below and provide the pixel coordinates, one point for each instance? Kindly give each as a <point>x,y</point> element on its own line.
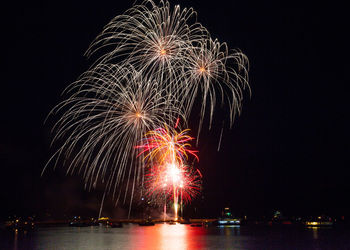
<point>165,236</point>
<point>161,236</point>
<point>315,232</point>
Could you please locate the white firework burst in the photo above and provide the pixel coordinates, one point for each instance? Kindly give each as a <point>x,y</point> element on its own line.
<point>108,111</point>
<point>213,72</point>
<point>155,39</point>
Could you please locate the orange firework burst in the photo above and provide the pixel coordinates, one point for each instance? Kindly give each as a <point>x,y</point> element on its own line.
<point>168,176</point>
<point>165,145</point>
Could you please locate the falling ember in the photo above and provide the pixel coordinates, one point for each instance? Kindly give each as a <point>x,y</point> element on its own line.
<point>177,122</point>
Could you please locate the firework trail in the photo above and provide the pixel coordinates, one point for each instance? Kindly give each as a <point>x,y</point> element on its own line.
<point>108,111</point>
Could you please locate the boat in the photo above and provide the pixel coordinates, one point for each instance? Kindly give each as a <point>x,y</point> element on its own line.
<point>228,222</point>
<point>78,222</point>
<point>279,220</point>
<point>320,221</point>
<point>227,219</point>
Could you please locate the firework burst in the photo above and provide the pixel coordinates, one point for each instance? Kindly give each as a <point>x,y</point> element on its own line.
<point>108,111</point>
<point>160,180</point>
<point>154,38</point>
<point>214,72</point>
<point>166,153</point>
<point>167,145</point>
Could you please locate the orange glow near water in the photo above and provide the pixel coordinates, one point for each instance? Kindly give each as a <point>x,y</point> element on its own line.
<point>162,236</point>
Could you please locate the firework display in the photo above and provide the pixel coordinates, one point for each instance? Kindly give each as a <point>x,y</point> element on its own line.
<point>171,183</point>
<point>153,63</point>
<point>167,176</point>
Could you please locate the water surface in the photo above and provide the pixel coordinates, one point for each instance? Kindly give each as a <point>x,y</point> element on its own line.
<point>165,236</point>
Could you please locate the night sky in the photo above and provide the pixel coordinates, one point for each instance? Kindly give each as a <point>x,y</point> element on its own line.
<point>288,150</point>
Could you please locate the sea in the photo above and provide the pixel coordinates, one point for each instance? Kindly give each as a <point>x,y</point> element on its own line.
<point>178,236</point>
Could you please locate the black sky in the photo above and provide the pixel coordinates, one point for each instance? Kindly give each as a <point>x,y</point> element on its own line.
<point>288,150</point>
